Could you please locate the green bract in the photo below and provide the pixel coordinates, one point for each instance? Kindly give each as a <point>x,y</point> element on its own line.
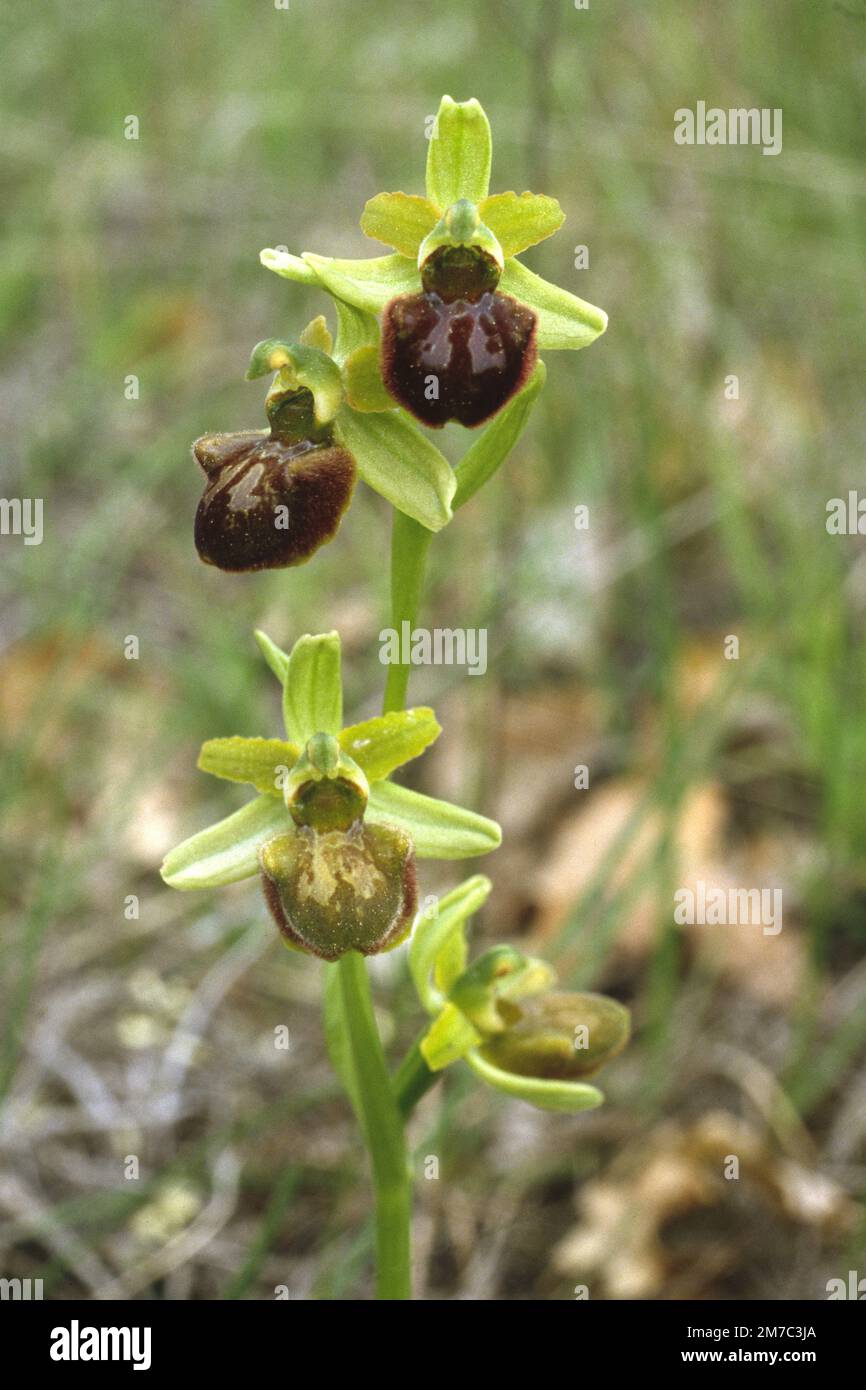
<point>479,1013</point>
<point>458,171</point>
<point>326,815</point>
<point>391,455</point>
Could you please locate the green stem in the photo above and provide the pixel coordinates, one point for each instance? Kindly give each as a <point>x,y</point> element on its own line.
<point>412,1080</point>
<point>383,1131</point>
<point>410,543</point>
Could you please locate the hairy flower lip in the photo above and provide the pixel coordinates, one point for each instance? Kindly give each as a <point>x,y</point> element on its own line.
<point>249,476</point>
<point>478,353</point>
<point>339,891</point>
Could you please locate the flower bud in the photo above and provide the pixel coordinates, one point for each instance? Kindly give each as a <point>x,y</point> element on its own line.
<point>485,991</point>
<point>334,891</point>
<point>272,498</point>
<point>559,1037</point>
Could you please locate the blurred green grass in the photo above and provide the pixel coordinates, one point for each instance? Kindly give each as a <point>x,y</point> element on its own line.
<point>260,127</point>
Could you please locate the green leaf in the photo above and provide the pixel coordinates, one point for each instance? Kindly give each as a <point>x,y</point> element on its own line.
<point>564,1096</point>
<point>337,1039</point>
<point>564,321</point>
<point>433,936</point>
<point>313,694</point>
<point>253,760</point>
<point>491,448</point>
<point>397,460</point>
<point>365,389</point>
<point>381,744</point>
<point>369,284</point>
<point>401,220</point>
<point>356,329</point>
<point>449,1037</point>
<point>438,829</point>
<point>459,154</point>
<point>289,267</point>
<point>521,220</point>
<point>277,659</point>
<point>229,850</point>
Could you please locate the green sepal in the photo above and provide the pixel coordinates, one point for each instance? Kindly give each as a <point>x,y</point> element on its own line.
<point>288,267</point>
<point>229,850</point>
<point>277,659</point>
<point>435,935</point>
<point>257,761</point>
<point>567,1097</point>
<point>365,389</point>
<point>450,961</point>
<point>438,829</point>
<point>401,220</point>
<point>382,744</point>
<point>564,321</point>
<point>398,461</point>
<point>369,284</point>
<point>300,366</point>
<point>449,1037</point>
<point>459,154</point>
<point>521,220</point>
<point>356,329</point>
<point>491,448</point>
<point>313,692</point>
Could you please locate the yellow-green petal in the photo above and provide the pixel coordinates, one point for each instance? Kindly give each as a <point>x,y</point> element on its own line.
<point>520,220</point>
<point>318,335</point>
<point>261,762</point>
<point>380,745</point>
<point>401,220</point>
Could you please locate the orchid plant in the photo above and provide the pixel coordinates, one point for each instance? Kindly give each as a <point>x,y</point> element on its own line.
<point>446,328</point>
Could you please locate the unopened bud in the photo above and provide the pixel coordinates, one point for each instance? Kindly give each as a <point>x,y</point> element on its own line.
<point>560,1037</point>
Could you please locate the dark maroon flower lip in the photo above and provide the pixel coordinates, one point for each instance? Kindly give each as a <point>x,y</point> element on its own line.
<point>457,360</point>
<point>269,503</point>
